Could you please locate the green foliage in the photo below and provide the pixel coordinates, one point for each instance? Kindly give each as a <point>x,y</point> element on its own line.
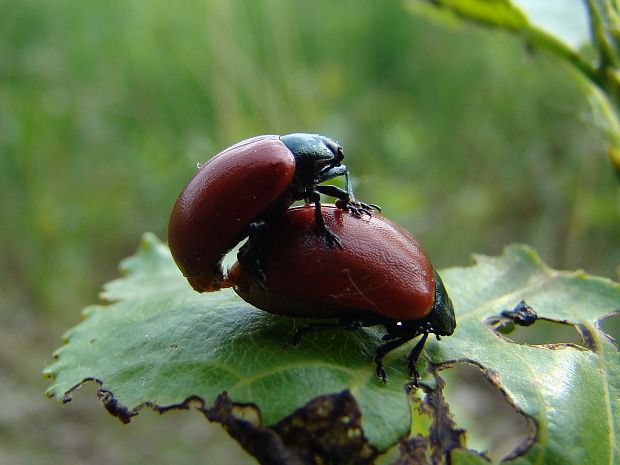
<point>600,79</point>
<point>107,108</point>
<point>157,342</point>
<point>492,12</point>
<point>160,342</point>
<point>571,392</point>
<point>464,135</point>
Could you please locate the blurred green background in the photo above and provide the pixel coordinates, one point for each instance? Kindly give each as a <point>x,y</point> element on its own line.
<point>464,135</point>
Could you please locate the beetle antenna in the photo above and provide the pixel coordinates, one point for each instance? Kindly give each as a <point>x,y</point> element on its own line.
<point>347,178</point>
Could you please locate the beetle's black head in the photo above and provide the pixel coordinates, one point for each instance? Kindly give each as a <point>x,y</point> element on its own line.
<point>441,317</point>
<point>335,148</point>
<point>313,149</point>
<point>317,159</point>
<point>315,155</point>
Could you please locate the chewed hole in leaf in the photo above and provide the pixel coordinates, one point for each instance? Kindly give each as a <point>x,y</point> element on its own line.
<point>545,332</point>
<point>537,330</point>
<point>493,425</point>
<point>180,430</point>
<point>609,325</point>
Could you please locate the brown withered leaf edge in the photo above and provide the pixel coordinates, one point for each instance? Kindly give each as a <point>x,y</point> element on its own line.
<point>327,430</point>
<point>444,436</point>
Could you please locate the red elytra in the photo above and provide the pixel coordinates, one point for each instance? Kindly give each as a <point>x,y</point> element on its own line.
<point>382,271</point>
<point>214,209</point>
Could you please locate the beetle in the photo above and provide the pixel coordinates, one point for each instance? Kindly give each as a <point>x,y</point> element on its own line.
<point>235,193</point>
<point>383,277</point>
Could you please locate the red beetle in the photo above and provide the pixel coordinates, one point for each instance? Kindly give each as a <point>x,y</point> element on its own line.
<point>382,277</point>
<point>238,191</point>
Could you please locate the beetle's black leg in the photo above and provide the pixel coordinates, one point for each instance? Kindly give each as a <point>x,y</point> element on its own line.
<point>330,172</point>
<point>386,348</point>
<point>315,197</point>
<point>252,250</point>
<point>357,203</point>
<point>295,339</point>
<point>413,358</point>
<point>346,199</point>
<point>345,202</point>
<point>334,191</point>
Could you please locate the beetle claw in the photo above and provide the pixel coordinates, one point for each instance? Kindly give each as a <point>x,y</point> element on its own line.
<point>361,208</point>
<point>332,238</point>
<point>359,211</point>
<point>367,206</point>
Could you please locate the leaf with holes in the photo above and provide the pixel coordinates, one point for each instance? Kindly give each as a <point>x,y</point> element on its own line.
<point>158,343</point>
<point>570,391</point>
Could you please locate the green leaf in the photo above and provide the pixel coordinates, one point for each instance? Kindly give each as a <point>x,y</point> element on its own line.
<point>600,81</point>
<point>158,343</point>
<point>572,393</point>
<point>492,12</point>
<point>503,14</point>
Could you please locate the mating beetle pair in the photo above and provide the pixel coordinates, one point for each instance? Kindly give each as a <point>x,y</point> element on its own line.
<point>241,189</point>
<point>327,262</point>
